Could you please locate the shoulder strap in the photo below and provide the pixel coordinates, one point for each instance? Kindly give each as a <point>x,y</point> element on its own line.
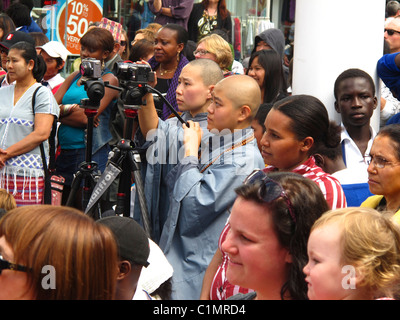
<point>47,186</point>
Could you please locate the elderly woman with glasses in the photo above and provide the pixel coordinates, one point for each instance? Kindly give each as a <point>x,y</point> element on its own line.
<point>214,47</point>
<point>384,171</point>
<point>267,241</point>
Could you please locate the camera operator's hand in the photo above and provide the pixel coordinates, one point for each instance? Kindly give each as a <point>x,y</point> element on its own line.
<point>192,138</point>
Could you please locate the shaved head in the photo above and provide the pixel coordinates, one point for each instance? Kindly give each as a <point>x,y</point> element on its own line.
<point>242,90</point>
<point>211,73</point>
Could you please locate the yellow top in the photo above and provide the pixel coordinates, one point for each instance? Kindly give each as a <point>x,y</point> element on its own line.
<point>373,202</point>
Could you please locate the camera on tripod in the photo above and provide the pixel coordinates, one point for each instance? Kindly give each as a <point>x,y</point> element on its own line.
<point>91,68</point>
<point>134,72</point>
<point>93,83</point>
<point>133,77</point>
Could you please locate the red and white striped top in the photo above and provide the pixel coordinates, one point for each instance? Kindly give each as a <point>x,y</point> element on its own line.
<point>334,195</point>
<point>329,185</point>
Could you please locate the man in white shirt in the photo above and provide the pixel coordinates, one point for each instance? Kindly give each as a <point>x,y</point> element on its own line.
<point>356,101</point>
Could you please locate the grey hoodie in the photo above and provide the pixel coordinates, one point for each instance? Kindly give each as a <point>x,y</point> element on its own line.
<point>274,38</point>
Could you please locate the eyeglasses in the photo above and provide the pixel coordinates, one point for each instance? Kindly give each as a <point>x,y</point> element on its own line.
<point>270,190</point>
<point>201,52</point>
<point>379,162</point>
<point>123,43</point>
<point>391,32</point>
<point>6,265</point>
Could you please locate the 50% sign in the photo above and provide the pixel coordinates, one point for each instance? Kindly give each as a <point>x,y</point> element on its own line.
<point>80,14</point>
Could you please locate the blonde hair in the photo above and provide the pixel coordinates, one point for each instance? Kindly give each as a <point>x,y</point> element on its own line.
<point>148,34</point>
<point>7,200</point>
<point>154,26</point>
<point>82,252</point>
<point>216,45</point>
<point>370,242</point>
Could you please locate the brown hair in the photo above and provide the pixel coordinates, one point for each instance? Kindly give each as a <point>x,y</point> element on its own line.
<point>7,200</point>
<point>222,10</point>
<point>83,253</point>
<point>98,38</point>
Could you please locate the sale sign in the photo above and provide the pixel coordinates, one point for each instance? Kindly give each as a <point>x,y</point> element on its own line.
<point>73,19</point>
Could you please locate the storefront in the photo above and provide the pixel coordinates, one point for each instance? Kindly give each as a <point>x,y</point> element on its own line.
<point>68,20</point>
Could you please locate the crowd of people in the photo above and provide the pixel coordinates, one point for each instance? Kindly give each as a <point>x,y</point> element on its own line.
<point>252,192</point>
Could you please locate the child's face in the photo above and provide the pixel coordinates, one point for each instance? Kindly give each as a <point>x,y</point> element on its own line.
<point>356,102</point>
<point>324,268</point>
<point>192,94</point>
<point>222,114</point>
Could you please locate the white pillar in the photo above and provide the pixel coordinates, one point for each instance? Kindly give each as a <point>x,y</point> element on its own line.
<point>332,36</point>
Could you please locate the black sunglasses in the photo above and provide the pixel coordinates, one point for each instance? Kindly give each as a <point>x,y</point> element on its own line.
<point>123,43</point>
<point>6,265</point>
<point>391,32</point>
<point>269,190</point>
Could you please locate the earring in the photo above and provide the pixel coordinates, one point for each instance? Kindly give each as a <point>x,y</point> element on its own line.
<point>178,56</point>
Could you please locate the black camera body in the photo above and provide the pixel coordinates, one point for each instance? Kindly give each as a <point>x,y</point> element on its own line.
<point>91,68</point>
<point>133,72</point>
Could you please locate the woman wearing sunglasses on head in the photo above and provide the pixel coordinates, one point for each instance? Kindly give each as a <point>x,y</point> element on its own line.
<point>384,171</point>
<point>295,127</point>
<point>267,241</point>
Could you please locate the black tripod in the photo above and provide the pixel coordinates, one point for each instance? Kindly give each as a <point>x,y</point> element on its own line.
<point>88,170</point>
<point>125,159</point>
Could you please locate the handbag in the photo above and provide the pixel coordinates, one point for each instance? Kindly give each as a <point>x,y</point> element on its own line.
<point>53,184</point>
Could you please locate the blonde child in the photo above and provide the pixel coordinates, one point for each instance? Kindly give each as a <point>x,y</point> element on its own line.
<point>354,254</point>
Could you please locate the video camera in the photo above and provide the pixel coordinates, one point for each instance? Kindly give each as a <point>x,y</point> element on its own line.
<point>90,70</point>
<point>133,72</point>
<point>133,77</point>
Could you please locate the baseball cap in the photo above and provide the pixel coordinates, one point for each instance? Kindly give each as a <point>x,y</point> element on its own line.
<point>55,49</point>
<point>14,37</point>
<point>114,27</point>
<point>133,243</point>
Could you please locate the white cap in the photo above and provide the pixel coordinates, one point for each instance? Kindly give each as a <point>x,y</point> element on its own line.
<point>55,49</point>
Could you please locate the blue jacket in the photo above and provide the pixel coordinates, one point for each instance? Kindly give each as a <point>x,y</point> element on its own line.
<point>160,163</point>
<point>389,73</point>
<point>201,194</point>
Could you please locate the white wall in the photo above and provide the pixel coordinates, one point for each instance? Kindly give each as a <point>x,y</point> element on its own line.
<point>332,36</point>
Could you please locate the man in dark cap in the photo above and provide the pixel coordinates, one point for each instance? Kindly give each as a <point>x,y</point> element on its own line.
<point>134,251</point>
<point>11,39</point>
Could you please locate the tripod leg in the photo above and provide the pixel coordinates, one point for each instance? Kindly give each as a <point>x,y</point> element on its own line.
<point>135,159</point>
<point>74,189</point>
